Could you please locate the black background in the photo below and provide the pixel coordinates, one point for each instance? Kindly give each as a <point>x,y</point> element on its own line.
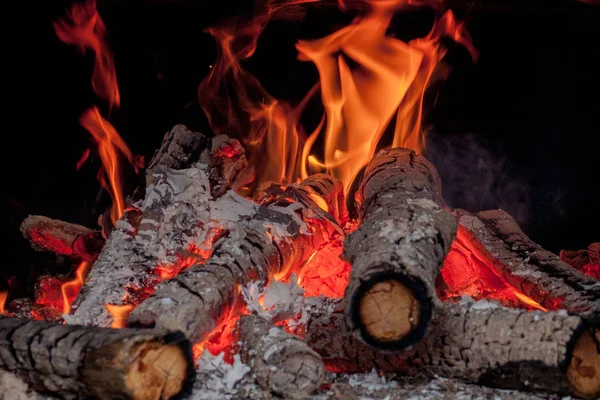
<point>517,130</point>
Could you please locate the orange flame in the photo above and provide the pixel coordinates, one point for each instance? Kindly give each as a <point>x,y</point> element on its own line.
<point>70,289</point>
<point>120,314</point>
<point>108,141</point>
<point>366,78</point>
<point>3,296</point>
<point>83,27</point>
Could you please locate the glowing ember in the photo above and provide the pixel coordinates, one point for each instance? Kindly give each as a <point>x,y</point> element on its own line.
<point>3,296</point>
<point>119,314</point>
<point>83,27</point>
<point>71,289</point>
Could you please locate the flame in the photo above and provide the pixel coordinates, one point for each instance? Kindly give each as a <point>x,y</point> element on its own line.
<point>529,301</point>
<point>120,313</point>
<point>83,27</point>
<point>3,296</point>
<point>366,78</point>
<point>70,289</point>
<point>109,144</point>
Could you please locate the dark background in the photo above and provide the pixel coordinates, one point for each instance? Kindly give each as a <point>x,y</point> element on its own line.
<point>518,130</point>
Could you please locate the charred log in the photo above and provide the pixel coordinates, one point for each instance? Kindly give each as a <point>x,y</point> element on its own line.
<point>528,267</point>
<point>263,241</point>
<point>71,361</point>
<point>281,362</point>
<point>586,260</point>
<point>168,228</point>
<point>59,237</point>
<point>398,250</point>
<point>479,342</point>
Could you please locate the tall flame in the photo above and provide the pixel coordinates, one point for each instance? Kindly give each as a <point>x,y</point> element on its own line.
<point>366,79</point>
<point>83,27</point>
<point>70,289</point>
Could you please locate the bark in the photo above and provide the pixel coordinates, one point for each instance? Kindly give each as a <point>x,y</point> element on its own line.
<point>281,362</point>
<point>398,250</point>
<point>161,234</point>
<point>73,361</point>
<point>586,260</point>
<point>478,342</point>
<point>538,273</point>
<point>59,237</point>
<point>270,240</point>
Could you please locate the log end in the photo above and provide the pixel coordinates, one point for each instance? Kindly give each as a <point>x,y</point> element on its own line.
<point>390,313</point>
<point>583,372</point>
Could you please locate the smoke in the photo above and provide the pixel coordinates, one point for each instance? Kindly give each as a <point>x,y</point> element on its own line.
<point>478,175</point>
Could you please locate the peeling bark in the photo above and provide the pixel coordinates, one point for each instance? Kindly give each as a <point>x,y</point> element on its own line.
<point>72,361</point>
<point>398,250</point>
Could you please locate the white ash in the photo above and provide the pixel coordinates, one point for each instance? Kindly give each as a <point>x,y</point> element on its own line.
<point>13,388</point>
<point>231,207</point>
<point>371,381</point>
<point>282,301</point>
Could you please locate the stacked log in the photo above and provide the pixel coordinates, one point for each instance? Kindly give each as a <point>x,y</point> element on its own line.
<point>398,250</point>
<point>73,361</point>
<point>479,342</point>
<point>262,242</point>
<point>526,266</point>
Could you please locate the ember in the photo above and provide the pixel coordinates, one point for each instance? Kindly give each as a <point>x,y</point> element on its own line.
<point>222,254</point>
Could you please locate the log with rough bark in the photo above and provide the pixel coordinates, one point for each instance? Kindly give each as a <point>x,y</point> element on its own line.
<point>270,240</point>
<point>479,342</point>
<point>398,250</point>
<point>281,362</point>
<point>59,237</point>
<point>585,260</point>
<point>74,361</point>
<point>159,235</point>
<point>538,273</point>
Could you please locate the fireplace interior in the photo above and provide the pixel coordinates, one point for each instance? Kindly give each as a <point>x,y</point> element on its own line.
<point>302,199</point>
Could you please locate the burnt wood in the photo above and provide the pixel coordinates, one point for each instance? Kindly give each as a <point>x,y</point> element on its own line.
<point>398,250</point>
<point>281,362</point>
<point>478,342</point>
<point>74,361</point>
<point>536,272</point>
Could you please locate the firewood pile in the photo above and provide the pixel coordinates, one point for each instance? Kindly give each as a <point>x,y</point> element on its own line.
<point>223,296</point>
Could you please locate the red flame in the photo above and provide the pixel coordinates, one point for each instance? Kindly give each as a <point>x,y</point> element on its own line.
<point>83,27</point>
<point>119,313</point>
<point>3,296</point>
<point>70,289</point>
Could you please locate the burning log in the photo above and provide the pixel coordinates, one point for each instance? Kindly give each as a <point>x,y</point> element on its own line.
<point>280,361</point>
<point>71,361</point>
<point>266,241</point>
<point>398,250</point>
<point>59,237</point>
<point>167,228</point>
<point>586,260</point>
<point>479,342</point>
<point>536,272</point>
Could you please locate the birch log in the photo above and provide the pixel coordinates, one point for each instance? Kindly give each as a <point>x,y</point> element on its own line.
<point>74,361</point>
<point>397,252</point>
<point>479,342</point>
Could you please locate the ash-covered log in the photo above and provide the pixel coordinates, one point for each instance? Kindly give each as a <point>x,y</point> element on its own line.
<point>538,273</point>
<point>74,361</point>
<point>59,237</point>
<point>398,250</point>
<point>167,231</point>
<point>281,362</point>
<point>479,342</point>
<point>262,242</point>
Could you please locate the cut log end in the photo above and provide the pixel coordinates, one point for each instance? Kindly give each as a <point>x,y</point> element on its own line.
<point>389,311</point>
<point>158,372</point>
<point>391,314</point>
<point>583,372</point>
